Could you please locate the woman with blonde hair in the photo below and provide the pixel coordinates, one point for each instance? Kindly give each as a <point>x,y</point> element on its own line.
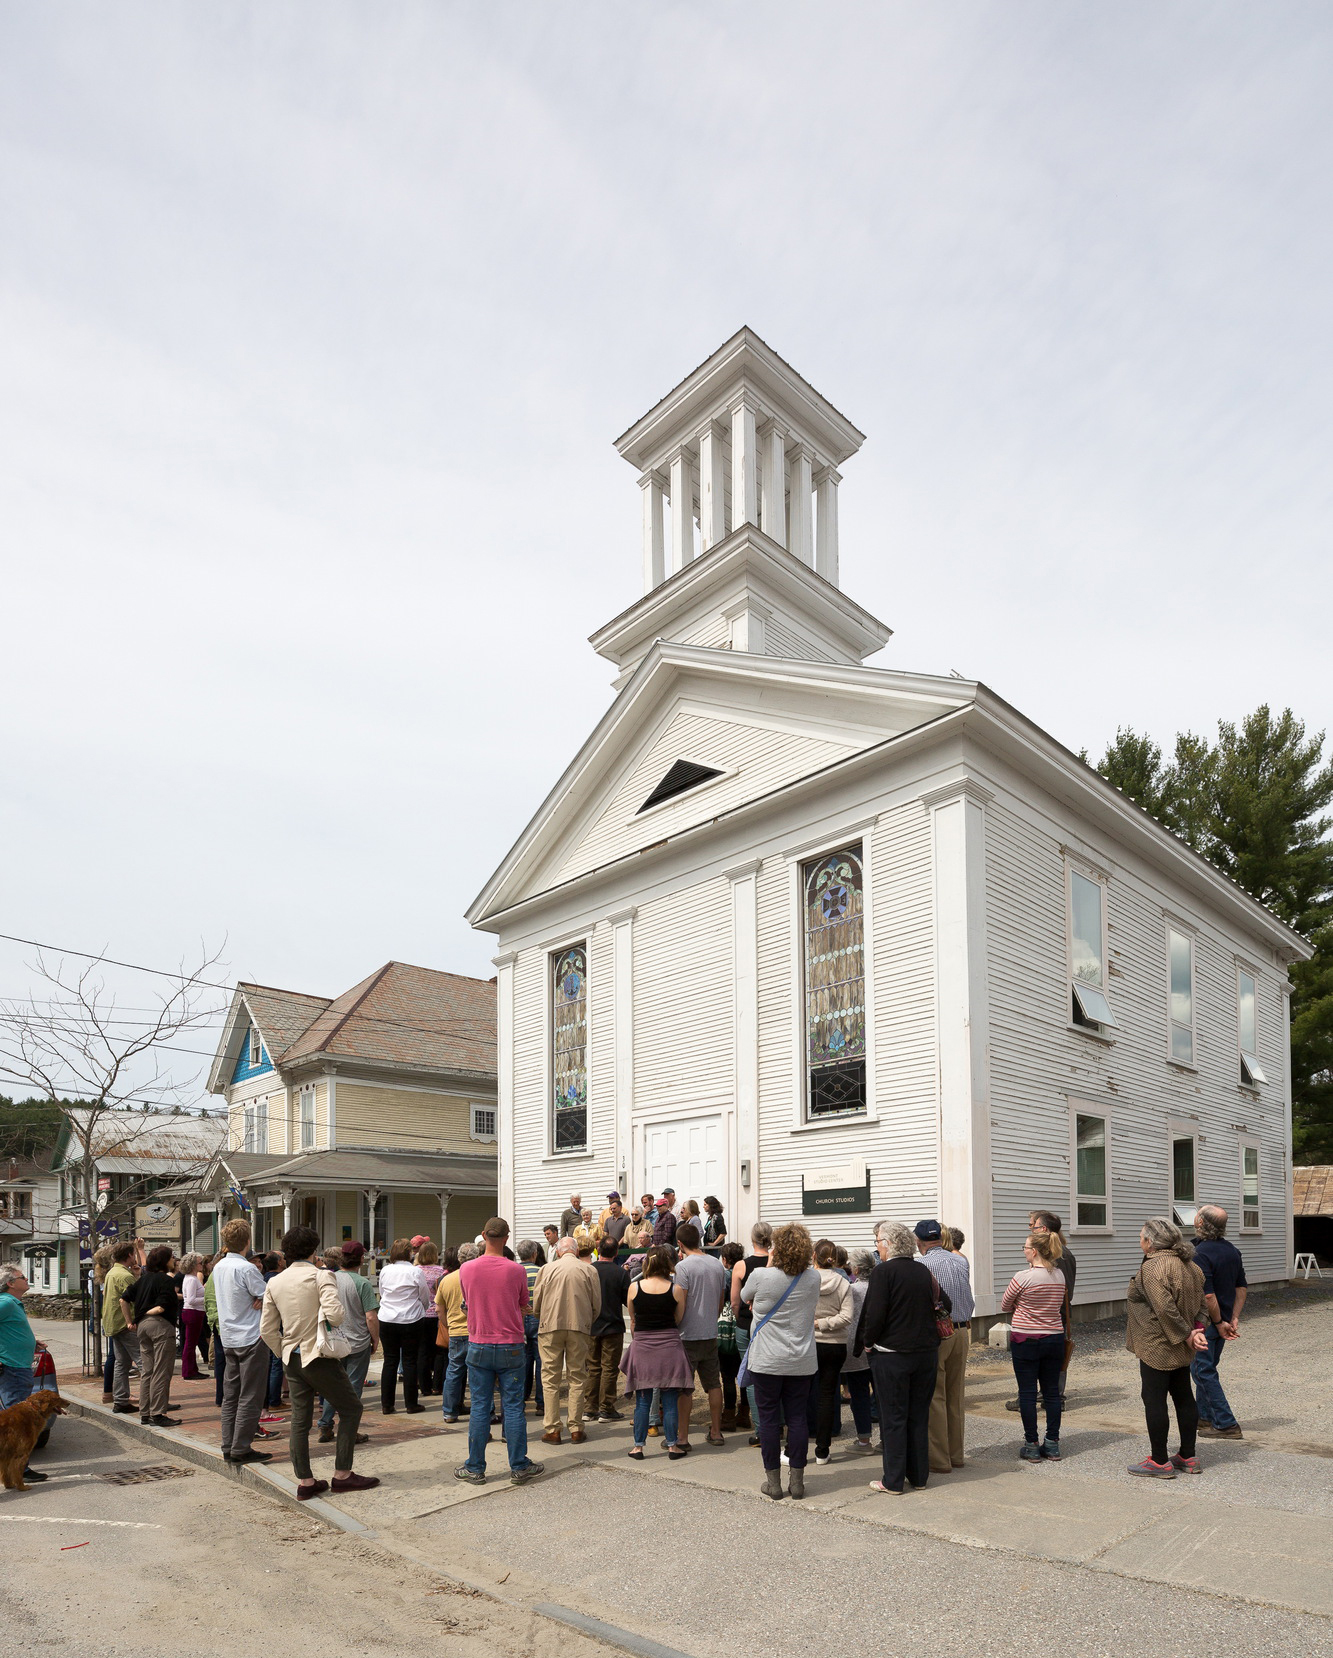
<point>780,1358</point>
<point>1035,1301</point>
<point>1165,1328</point>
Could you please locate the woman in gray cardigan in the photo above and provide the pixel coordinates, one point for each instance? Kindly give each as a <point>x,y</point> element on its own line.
<point>782,1361</point>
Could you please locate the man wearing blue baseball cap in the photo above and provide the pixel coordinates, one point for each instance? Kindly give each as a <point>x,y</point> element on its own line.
<point>948,1403</point>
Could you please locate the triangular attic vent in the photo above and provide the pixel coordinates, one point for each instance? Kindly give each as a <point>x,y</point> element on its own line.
<point>685,774</point>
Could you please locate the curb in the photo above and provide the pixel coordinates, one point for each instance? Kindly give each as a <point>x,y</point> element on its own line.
<point>257,1475</point>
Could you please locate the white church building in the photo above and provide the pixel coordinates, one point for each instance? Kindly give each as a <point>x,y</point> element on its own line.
<point>838,942</point>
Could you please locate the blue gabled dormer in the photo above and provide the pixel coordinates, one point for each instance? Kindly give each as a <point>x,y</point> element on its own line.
<point>253,1060</point>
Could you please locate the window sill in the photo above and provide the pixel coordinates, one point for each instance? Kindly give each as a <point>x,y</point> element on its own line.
<point>1249,1090</point>
<point>1092,1035</point>
<point>1182,1065</point>
<point>569,1157</point>
<point>1091,1231</point>
<point>852,1117</point>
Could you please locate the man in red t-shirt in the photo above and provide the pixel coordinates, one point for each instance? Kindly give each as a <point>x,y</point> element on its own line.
<point>495,1294</point>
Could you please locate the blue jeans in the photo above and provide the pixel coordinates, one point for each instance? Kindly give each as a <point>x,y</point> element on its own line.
<point>356,1365</point>
<point>859,1386</point>
<point>487,1364</point>
<point>532,1369</point>
<point>670,1414</point>
<point>743,1342</point>
<point>1213,1406</point>
<point>1038,1362</point>
<point>16,1383</point>
<point>274,1398</point>
<point>451,1394</point>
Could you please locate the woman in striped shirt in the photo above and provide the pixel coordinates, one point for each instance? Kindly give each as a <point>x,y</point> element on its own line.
<point>1035,1301</point>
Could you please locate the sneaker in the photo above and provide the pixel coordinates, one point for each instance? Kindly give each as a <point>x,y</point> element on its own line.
<point>654,1433</point>
<point>1050,1450</point>
<point>862,1447</point>
<point>1030,1452</point>
<point>468,1476</point>
<point>521,1476</point>
<point>1186,1465</point>
<point>451,1419</point>
<point>1152,1470</point>
<point>1011,1404</point>
<point>1208,1431</point>
<point>612,1416</point>
<point>823,1462</point>
<point>752,1440</point>
<point>786,1463</point>
<point>35,1475</point>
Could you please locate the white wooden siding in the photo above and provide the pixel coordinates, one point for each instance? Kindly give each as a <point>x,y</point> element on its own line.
<point>783,639</point>
<point>1037,1062</point>
<point>763,758</point>
<point>683,1005</point>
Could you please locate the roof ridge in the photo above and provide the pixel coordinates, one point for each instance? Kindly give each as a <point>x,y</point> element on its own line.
<point>375,980</point>
<point>280,990</point>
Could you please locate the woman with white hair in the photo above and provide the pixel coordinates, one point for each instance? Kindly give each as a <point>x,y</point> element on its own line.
<point>1165,1328</point>
<point>899,1332</point>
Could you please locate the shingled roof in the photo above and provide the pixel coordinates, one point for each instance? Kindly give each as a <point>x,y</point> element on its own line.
<point>1312,1189</point>
<point>403,1015</point>
<point>283,1016</point>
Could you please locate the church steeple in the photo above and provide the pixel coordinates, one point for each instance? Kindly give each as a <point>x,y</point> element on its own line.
<point>739,472</point>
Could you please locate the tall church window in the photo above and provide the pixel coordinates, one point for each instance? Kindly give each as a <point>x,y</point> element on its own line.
<point>569,1048</point>
<point>835,984</point>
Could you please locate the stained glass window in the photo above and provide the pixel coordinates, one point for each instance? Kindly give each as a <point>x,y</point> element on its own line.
<point>835,984</point>
<point>569,1044</point>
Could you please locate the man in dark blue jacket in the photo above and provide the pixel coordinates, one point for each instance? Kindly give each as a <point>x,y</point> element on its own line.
<point>1224,1292</point>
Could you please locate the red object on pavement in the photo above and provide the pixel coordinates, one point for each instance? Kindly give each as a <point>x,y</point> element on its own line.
<point>65,1546</point>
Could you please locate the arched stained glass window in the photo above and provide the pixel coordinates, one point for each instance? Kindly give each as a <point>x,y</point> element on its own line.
<point>835,984</point>
<point>569,1044</point>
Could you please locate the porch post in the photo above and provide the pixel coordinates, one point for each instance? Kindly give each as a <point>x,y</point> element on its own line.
<point>372,1197</point>
<point>444,1215</point>
<point>287,1193</point>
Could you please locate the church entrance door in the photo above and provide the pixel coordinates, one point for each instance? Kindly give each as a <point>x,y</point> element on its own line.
<point>689,1155</point>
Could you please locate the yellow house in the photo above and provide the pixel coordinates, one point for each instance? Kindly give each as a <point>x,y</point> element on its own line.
<point>370,1116</point>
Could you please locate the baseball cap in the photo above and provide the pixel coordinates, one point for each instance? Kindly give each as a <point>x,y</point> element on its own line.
<point>668,1191</point>
<point>353,1252</point>
<point>610,1195</point>
<point>927,1229</point>
<point>662,1203</point>
<point>420,1239</point>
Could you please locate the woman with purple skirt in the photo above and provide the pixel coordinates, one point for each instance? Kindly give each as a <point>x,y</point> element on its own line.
<point>656,1357</point>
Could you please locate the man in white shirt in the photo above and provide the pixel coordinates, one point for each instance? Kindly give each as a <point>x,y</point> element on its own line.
<point>239,1287</point>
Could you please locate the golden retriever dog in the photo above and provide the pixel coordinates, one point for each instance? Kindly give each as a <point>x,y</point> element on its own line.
<point>20,1428</point>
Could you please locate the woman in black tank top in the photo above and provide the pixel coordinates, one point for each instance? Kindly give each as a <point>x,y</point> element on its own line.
<point>656,1356</point>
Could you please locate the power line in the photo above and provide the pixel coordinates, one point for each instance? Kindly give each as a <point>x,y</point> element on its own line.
<point>254,992</point>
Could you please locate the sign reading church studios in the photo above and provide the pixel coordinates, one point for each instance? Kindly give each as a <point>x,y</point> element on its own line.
<point>842,1189</point>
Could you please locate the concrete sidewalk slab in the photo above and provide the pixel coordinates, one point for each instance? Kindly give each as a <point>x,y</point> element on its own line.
<point>1253,1554</point>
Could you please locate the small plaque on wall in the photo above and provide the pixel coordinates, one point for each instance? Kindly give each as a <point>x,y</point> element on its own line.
<point>840,1190</point>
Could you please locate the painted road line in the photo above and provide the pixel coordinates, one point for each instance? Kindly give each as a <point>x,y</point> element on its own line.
<point>52,1520</point>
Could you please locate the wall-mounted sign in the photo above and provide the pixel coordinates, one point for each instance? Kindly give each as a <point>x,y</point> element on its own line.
<point>837,1189</point>
<point>104,1182</point>
<point>157,1223</point>
<point>270,1200</point>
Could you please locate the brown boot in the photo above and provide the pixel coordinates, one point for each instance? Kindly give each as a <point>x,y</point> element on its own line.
<point>551,1436</point>
<point>728,1421</point>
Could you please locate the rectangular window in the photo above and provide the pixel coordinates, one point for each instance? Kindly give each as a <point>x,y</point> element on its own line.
<point>1184,1161</point>
<point>483,1122</point>
<point>1249,1188</point>
<point>569,1049</point>
<point>248,1118</point>
<point>1247,1020</point>
<point>256,1047</point>
<point>1180,995</point>
<point>307,1123</point>
<point>1092,1205</point>
<point>1087,953</point>
<point>833,906</point>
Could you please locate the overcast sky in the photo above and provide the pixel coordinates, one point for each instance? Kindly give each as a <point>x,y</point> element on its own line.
<point>319,319</point>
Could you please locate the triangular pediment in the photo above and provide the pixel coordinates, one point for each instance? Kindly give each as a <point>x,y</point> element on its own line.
<point>755,724</point>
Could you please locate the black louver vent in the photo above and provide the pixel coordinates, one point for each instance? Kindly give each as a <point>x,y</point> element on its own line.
<point>685,774</point>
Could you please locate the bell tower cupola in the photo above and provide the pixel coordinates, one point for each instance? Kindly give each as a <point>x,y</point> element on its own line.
<point>739,472</point>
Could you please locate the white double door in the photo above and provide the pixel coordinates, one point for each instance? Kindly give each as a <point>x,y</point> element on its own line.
<point>689,1155</point>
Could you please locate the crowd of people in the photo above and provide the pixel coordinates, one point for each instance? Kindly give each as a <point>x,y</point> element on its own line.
<point>614,1310</point>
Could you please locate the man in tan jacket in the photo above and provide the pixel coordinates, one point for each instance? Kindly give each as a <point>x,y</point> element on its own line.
<point>297,1303</point>
<point>566,1297</point>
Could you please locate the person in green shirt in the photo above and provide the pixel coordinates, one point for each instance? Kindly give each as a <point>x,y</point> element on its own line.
<point>115,1327</point>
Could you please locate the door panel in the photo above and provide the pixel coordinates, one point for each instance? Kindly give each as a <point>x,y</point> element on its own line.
<point>689,1156</point>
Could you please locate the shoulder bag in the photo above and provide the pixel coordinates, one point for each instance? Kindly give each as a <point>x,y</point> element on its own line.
<point>743,1374</point>
<point>1069,1331</point>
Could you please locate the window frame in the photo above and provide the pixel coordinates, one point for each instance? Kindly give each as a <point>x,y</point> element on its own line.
<point>493,1111</point>
<point>1089,1108</point>
<point>551,953</point>
<point>1182,1128</point>
<point>307,1091</point>
<point>856,842</point>
<point>1247,1060</point>
<point>1174,929</point>
<point>1103,1030</point>
<point>1248,1143</point>
<point>256,1048</point>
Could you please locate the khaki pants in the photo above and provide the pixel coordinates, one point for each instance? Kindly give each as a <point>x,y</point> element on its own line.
<point>157,1363</point>
<point>567,1351</point>
<point>946,1405</point>
<point>604,1372</point>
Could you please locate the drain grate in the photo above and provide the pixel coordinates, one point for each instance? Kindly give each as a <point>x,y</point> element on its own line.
<point>142,1476</point>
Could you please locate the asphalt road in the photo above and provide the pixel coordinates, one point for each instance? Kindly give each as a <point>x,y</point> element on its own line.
<point>202,1566</point>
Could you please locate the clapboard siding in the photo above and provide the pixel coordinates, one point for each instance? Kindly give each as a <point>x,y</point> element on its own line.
<point>1037,1062</point>
<point>684,1051</point>
<point>762,757</point>
<point>901,1147</point>
<point>798,644</point>
<point>370,1116</point>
